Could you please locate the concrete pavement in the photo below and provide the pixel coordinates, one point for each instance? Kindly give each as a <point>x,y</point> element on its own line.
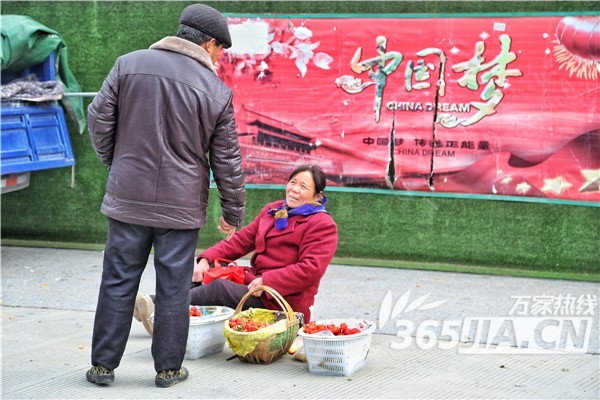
<point>461,331</point>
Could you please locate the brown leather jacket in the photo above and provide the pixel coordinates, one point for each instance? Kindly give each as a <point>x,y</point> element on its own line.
<point>158,115</point>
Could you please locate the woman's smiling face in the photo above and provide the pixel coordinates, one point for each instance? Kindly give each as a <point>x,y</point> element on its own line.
<point>300,190</point>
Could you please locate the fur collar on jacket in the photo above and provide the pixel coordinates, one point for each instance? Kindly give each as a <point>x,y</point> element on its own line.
<point>179,45</point>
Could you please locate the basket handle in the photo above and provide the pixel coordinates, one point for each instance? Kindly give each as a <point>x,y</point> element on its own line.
<point>218,261</point>
<point>285,306</point>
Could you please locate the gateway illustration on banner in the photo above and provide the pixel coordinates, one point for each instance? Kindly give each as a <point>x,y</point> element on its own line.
<point>483,105</point>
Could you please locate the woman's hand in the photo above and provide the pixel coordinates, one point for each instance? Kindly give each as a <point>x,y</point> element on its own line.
<point>199,269</point>
<point>256,282</point>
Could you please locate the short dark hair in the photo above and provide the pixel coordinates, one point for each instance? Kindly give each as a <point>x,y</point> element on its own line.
<point>193,35</point>
<point>317,174</point>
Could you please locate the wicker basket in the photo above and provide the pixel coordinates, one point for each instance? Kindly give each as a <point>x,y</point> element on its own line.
<point>268,344</point>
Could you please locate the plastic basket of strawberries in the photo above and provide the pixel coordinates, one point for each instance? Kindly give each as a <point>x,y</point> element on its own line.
<point>336,346</point>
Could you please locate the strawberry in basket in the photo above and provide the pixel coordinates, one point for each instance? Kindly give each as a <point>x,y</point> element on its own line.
<point>195,312</point>
<point>246,325</point>
<point>342,329</point>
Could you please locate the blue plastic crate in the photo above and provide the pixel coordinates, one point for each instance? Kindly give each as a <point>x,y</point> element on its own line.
<point>44,71</point>
<point>34,138</point>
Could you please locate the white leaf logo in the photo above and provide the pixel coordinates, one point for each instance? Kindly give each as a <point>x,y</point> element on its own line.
<point>415,304</point>
<point>432,305</point>
<point>385,309</point>
<point>402,305</point>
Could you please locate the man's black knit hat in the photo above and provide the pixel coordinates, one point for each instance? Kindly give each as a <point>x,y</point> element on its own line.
<point>207,20</point>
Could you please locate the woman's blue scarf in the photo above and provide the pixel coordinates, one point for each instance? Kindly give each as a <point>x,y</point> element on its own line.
<point>283,212</point>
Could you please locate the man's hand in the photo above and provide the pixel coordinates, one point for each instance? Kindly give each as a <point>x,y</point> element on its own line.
<point>199,269</point>
<point>225,228</point>
<point>256,282</point>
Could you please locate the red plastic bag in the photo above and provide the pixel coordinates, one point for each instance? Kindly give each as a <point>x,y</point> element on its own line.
<point>224,269</point>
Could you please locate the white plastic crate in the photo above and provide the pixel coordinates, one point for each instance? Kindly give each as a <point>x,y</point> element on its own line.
<point>206,332</point>
<point>337,355</point>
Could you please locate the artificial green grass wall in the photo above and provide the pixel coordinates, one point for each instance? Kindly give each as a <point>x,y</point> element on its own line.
<point>427,229</point>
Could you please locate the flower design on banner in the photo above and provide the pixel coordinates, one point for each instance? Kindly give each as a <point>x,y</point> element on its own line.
<point>256,44</point>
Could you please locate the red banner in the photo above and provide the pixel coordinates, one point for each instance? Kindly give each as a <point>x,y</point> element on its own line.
<point>486,105</point>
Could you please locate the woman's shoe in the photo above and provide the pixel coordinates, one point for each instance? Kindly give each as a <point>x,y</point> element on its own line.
<point>144,308</point>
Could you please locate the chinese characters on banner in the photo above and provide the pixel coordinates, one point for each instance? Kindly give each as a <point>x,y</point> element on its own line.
<point>496,105</point>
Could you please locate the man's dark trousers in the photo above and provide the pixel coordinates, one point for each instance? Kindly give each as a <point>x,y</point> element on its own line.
<point>125,257</point>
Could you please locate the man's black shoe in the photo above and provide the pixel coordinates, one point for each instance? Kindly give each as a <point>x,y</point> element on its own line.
<point>100,375</point>
<point>170,377</point>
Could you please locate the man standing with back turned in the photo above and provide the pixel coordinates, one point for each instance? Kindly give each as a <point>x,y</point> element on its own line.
<point>158,114</point>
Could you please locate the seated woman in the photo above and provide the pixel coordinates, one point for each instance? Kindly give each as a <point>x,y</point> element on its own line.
<point>293,240</point>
